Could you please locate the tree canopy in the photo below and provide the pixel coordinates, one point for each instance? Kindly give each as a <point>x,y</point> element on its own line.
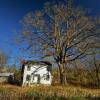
<point>61,31</point>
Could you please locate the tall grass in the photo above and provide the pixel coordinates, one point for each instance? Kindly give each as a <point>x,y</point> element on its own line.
<point>9,92</point>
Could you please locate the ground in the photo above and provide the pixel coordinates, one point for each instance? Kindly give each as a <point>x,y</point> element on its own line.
<point>12,92</point>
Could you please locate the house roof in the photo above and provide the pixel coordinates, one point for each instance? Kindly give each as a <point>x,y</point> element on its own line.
<point>6,74</point>
<point>37,62</point>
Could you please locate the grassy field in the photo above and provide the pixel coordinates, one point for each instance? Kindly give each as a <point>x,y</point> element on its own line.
<point>11,92</point>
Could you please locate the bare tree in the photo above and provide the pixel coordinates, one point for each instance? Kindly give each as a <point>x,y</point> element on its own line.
<point>3,59</point>
<point>94,69</point>
<point>61,31</point>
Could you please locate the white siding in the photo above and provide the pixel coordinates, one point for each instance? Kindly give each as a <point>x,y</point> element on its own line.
<point>36,70</point>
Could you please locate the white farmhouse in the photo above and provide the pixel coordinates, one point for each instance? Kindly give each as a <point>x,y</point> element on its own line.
<point>36,72</point>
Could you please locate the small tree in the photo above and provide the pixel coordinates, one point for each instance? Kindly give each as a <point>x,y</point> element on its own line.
<point>61,31</point>
<point>3,61</point>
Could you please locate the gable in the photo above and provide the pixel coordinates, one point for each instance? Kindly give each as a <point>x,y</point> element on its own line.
<point>37,64</point>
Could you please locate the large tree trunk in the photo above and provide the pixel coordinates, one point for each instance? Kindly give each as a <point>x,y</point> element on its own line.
<point>62,71</point>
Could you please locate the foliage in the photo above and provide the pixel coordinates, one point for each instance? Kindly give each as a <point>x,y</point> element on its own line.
<point>78,77</point>
<point>17,77</point>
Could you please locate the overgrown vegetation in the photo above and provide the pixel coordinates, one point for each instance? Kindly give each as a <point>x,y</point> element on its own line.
<point>78,74</point>
<point>79,77</point>
<point>48,93</point>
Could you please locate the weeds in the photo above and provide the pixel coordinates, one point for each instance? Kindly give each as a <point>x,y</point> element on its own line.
<point>10,92</point>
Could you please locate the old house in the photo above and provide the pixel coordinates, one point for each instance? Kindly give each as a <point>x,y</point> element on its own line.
<point>6,77</point>
<point>36,72</point>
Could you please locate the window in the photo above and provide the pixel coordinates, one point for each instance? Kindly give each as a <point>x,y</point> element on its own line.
<point>28,78</point>
<point>28,68</point>
<point>47,77</point>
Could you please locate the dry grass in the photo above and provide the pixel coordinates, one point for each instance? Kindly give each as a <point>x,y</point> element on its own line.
<point>24,93</point>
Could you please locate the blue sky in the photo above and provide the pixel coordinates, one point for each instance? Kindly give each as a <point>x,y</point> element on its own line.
<point>12,11</point>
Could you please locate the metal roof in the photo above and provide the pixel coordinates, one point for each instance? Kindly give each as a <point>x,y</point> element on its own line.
<point>6,74</point>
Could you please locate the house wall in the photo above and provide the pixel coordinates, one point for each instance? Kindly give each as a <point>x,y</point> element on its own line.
<point>36,69</point>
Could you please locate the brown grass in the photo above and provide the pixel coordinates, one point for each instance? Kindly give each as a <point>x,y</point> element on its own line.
<point>65,91</point>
